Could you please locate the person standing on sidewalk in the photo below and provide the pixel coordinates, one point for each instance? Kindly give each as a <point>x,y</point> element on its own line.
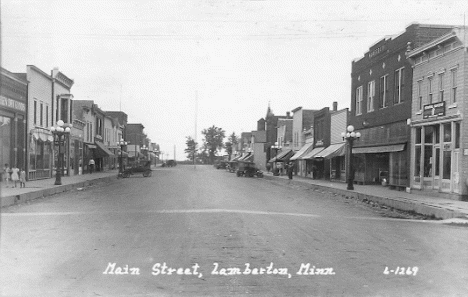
<point>6,175</point>
<point>22,178</point>
<point>15,175</point>
<point>91,165</point>
<point>290,170</point>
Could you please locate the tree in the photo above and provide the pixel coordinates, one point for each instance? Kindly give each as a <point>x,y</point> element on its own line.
<point>231,144</point>
<point>214,138</point>
<point>191,148</point>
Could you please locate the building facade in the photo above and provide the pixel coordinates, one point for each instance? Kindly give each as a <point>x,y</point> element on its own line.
<point>13,116</point>
<point>40,119</point>
<point>439,147</point>
<point>381,106</point>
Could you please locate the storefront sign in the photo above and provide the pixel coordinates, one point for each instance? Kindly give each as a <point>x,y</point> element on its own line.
<point>434,110</point>
<point>7,102</point>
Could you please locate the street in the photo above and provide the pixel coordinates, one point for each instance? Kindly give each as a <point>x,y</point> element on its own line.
<point>198,231</point>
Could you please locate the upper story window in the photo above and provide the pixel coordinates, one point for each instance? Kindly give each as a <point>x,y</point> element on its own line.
<point>35,112</point>
<point>370,96</point>
<point>41,114</point>
<point>383,91</point>
<point>420,94</point>
<point>453,79</point>
<point>359,100</point>
<point>441,87</point>
<point>429,89</point>
<point>399,84</point>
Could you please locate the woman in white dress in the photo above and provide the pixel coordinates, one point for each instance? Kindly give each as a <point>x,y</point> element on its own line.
<point>15,175</point>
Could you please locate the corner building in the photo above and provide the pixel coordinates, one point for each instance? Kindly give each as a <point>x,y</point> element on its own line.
<point>381,106</point>
<point>440,139</point>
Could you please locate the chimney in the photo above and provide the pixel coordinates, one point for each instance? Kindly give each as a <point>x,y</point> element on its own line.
<point>288,115</point>
<point>335,106</point>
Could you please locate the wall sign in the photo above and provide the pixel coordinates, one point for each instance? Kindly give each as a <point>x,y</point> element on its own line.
<point>434,110</point>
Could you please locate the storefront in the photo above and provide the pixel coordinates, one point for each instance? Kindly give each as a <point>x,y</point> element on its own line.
<point>313,166</point>
<point>13,91</point>
<point>333,161</point>
<point>300,164</point>
<point>40,154</point>
<point>437,157</point>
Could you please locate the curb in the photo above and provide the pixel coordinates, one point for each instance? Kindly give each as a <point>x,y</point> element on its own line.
<point>397,203</point>
<point>22,198</point>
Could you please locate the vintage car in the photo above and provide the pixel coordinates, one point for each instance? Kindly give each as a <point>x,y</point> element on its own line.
<point>136,168</point>
<point>248,169</point>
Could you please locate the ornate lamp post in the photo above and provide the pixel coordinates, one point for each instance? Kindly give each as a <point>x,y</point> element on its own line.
<point>60,132</point>
<point>350,136</point>
<point>144,148</point>
<point>121,143</point>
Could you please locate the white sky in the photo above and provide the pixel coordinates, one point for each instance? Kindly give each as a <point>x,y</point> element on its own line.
<point>156,56</point>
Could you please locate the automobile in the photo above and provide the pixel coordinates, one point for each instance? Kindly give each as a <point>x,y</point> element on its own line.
<point>171,163</point>
<point>221,165</point>
<point>248,169</point>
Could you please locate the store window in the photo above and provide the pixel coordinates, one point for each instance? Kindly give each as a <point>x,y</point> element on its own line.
<point>417,161</point>
<point>457,135</point>
<point>5,137</point>
<point>448,132</point>
<point>447,166</point>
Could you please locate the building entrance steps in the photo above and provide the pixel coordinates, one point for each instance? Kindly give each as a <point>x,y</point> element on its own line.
<point>417,201</point>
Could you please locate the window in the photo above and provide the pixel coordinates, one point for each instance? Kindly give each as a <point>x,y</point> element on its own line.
<point>41,114</point>
<point>47,116</point>
<point>447,166</point>
<point>399,83</point>
<point>420,94</point>
<point>453,80</point>
<point>441,87</point>
<point>417,161</point>
<point>418,136</point>
<point>383,90</point>
<point>359,100</point>
<point>448,132</point>
<point>35,112</point>
<point>457,135</point>
<point>429,90</point>
<point>370,96</point>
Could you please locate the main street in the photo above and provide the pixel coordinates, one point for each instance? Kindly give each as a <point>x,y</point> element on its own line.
<point>230,235</point>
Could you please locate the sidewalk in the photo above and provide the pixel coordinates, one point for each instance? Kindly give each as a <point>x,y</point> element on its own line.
<point>45,187</point>
<point>417,201</point>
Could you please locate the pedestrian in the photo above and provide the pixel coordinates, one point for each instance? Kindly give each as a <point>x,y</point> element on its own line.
<point>22,178</point>
<point>91,165</point>
<point>268,167</point>
<point>290,170</point>
<point>15,175</point>
<point>6,175</point>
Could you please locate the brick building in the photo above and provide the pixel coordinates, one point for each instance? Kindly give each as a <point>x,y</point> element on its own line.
<point>381,90</point>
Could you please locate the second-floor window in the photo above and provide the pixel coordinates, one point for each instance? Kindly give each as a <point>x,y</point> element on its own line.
<point>453,79</point>
<point>429,90</point>
<point>399,84</point>
<point>420,94</point>
<point>359,100</point>
<point>35,112</point>
<point>383,90</point>
<point>41,114</point>
<point>370,96</point>
<point>47,115</point>
<point>441,87</point>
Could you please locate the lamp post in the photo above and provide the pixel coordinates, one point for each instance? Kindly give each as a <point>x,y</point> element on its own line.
<point>144,148</point>
<point>121,143</point>
<point>60,132</point>
<point>350,136</point>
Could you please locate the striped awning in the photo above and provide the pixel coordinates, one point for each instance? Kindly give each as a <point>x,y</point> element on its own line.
<point>304,150</point>
<point>332,151</point>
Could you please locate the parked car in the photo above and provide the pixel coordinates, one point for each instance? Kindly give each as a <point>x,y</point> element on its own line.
<point>171,163</point>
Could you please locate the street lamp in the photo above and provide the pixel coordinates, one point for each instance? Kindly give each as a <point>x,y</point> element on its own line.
<point>121,143</point>
<point>60,132</point>
<point>350,136</point>
<point>144,148</point>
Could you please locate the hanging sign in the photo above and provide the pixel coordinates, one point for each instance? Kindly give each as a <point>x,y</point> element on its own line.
<point>434,110</point>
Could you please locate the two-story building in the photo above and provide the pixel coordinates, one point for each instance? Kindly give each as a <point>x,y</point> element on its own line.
<point>13,115</point>
<point>439,146</point>
<point>303,120</point>
<point>381,89</point>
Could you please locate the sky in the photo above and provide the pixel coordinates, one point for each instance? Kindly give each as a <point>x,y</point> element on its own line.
<point>181,66</point>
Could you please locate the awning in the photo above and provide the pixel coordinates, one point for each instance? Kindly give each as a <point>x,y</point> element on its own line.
<point>153,155</point>
<point>234,159</point>
<point>284,156</point>
<point>304,150</point>
<point>248,158</point>
<point>245,157</point>
<point>379,149</point>
<point>333,150</point>
<point>133,154</point>
<point>102,151</point>
<point>123,153</point>
<point>312,153</point>
<point>91,146</point>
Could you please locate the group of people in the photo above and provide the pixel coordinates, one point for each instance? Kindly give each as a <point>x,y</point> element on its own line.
<point>15,175</point>
<point>289,167</point>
